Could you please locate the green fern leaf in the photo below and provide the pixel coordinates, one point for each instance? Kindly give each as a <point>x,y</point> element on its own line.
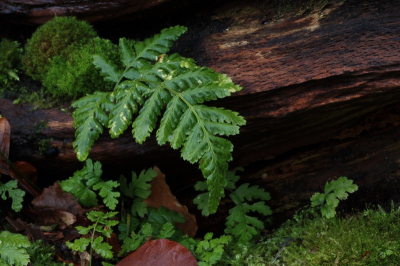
<point>151,83</point>
<point>84,181</point>
<point>152,48</point>
<point>158,217</point>
<point>14,256</point>
<point>167,231</point>
<point>87,198</point>
<point>126,52</point>
<point>102,248</point>
<point>210,250</point>
<point>79,244</point>
<point>110,197</point>
<point>16,194</point>
<point>145,123</point>
<point>334,192</point>
<point>127,98</point>
<point>16,240</point>
<point>135,240</point>
<point>108,70</point>
<point>138,189</point>
<point>13,249</point>
<point>90,117</point>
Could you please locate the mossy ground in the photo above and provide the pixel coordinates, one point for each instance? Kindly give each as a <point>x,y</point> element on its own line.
<point>369,237</point>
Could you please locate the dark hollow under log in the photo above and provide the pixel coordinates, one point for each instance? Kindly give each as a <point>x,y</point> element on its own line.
<point>321,94</point>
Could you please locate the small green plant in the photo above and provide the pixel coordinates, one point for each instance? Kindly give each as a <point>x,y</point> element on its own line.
<point>84,182</point>
<point>10,62</point>
<point>41,254</point>
<point>72,76</point>
<point>334,191</point>
<point>137,190</point>
<point>51,39</point>
<point>11,190</point>
<point>239,223</point>
<point>101,225</point>
<point>209,251</point>
<point>154,81</point>
<point>13,249</point>
<point>148,222</point>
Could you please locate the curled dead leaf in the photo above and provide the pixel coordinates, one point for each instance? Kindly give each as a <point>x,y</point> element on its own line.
<point>161,195</point>
<point>160,252</point>
<point>28,170</point>
<point>55,198</point>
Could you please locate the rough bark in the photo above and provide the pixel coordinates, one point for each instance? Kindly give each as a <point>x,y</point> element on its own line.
<point>321,94</point>
<point>40,11</point>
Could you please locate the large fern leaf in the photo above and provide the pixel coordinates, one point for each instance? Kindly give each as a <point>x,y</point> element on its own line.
<point>169,91</point>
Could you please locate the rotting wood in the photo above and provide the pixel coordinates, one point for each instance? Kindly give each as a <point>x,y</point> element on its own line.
<point>306,79</point>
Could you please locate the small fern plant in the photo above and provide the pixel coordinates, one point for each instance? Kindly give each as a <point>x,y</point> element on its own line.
<point>239,223</point>
<point>102,223</point>
<point>85,182</point>
<point>141,222</point>
<point>334,191</point>
<point>13,249</point>
<point>174,88</point>
<point>11,189</point>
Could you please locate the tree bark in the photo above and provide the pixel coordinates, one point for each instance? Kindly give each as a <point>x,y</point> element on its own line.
<point>320,96</point>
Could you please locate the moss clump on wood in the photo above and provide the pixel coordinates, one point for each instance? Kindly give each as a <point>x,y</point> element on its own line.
<point>51,39</point>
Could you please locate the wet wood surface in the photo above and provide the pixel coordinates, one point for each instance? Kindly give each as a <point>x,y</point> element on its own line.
<point>321,94</point>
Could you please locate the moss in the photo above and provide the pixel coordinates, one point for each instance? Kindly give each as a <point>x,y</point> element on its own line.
<point>367,238</point>
<point>10,61</point>
<point>73,76</point>
<point>51,39</point>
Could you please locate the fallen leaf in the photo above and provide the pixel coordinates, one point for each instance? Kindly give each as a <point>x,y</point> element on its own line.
<point>55,198</point>
<point>160,252</point>
<point>47,216</point>
<point>5,132</point>
<point>32,231</point>
<point>113,241</point>
<point>28,170</point>
<point>161,195</point>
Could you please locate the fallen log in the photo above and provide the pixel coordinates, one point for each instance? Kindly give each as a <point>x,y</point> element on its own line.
<point>310,80</point>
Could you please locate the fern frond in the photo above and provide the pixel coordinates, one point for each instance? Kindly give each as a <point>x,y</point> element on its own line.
<point>127,98</point>
<point>90,117</point>
<point>108,70</point>
<point>173,89</point>
<point>152,48</point>
<point>145,123</point>
<point>13,249</point>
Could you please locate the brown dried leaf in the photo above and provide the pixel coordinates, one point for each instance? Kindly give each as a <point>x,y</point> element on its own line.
<point>32,231</point>
<point>161,196</point>
<point>5,131</point>
<point>55,198</point>
<point>44,217</point>
<point>160,252</point>
<point>113,241</point>
<point>28,170</point>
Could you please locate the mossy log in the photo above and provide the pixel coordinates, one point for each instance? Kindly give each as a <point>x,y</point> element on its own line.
<point>321,98</point>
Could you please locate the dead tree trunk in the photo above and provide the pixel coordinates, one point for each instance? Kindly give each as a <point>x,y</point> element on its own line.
<point>321,99</point>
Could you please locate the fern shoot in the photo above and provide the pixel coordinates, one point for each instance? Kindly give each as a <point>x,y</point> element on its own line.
<point>334,192</point>
<point>155,85</point>
<point>239,223</point>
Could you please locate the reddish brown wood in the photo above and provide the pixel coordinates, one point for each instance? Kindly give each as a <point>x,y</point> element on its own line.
<point>41,11</point>
<point>306,79</point>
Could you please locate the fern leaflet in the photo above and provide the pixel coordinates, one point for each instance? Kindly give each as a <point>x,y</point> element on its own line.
<point>170,88</point>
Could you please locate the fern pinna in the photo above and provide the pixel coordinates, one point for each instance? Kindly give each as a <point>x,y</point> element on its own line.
<point>171,87</point>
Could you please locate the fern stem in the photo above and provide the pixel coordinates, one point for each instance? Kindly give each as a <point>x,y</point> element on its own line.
<point>91,242</point>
